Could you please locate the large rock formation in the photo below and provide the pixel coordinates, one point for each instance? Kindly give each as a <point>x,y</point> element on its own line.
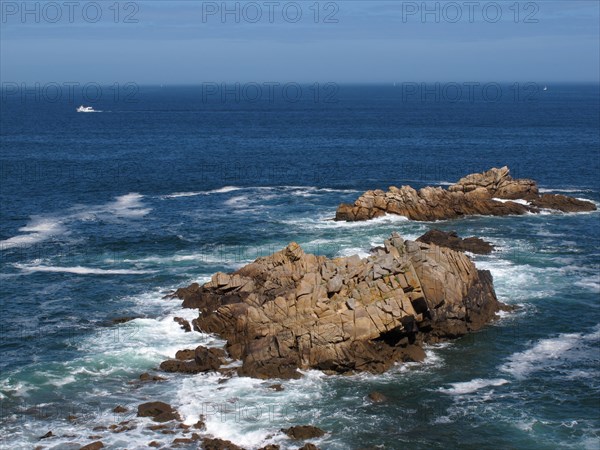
<point>295,310</point>
<point>489,193</point>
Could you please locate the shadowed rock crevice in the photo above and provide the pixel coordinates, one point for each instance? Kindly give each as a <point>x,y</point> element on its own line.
<point>491,193</point>
<point>295,310</point>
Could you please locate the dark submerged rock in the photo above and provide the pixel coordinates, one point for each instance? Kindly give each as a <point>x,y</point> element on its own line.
<point>93,446</point>
<point>452,240</point>
<point>376,397</point>
<point>219,444</point>
<point>303,432</point>
<point>202,360</point>
<point>184,324</point>
<point>158,411</point>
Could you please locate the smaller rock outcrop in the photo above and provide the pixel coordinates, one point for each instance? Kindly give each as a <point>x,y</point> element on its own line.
<point>309,446</point>
<point>97,445</point>
<point>184,324</point>
<point>376,397</point>
<point>200,360</point>
<point>303,432</point>
<point>491,193</point>
<point>158,411</point>
<point>452,240</point>
<point>219,444</point>
<point>147,377</point>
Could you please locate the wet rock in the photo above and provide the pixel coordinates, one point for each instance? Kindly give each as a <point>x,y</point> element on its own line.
<point>309,446</point>
<point>184,324</point>
<point>154,444</point>
<point>47,435</point>
<point>563,203</point>
<point>174,365</point>
<point>209,358</point>
<point>118,320</point>
<point>122,427</point>
<point>270,447</point>
<point>147,377</point>
<point>200,425</point>
<point>183,441</point>
<point>491,193</point>
<point>158,411</point>
<point>185,355</point>
<point>376,397</point>
<point>120,409</point>
<point>219,444</point>
<point>203,360</point>
<point>303,432</point>
<point>93,446</point>
<point>282,368</point>
<point>453,241</point>
<point>276,387</point>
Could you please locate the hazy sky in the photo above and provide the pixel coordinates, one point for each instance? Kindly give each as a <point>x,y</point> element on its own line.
<point>346,41</point>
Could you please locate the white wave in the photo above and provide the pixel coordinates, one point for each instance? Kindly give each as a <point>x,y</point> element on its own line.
<point>572,190</point>
<point>305,191</point>
<point>468,387</point>
<point>520,282</point>
<point>519,201</point>
<point>79,270</point>
<point>246,411</point>
<point>129,205</point>
<point>590,283</point>
<point>327,222</point>
<point>223,190</point>
<point>550,353</point>
<point>311,191</point>
<point>230,258</point>
<point>343,191</point>
<point>37,230</point>
<point>240,201</point>
<point>182,194</point>
<point>139,344</point>
<point>41,228</point>
<point>351,251</point>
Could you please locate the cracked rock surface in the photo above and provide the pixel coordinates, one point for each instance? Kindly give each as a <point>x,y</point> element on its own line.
<point>295,310</point>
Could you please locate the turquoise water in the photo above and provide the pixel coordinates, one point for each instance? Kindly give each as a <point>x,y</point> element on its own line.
<point>103,214</point>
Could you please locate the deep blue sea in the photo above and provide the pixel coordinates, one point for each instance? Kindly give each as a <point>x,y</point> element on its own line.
<point>102,214</point>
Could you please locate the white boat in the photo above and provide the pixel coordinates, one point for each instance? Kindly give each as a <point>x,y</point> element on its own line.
<point>545,88</point>
<point>85,109</point>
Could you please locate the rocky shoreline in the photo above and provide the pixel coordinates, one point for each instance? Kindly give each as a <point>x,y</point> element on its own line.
<point>292,311</point>
<point>491,193</point>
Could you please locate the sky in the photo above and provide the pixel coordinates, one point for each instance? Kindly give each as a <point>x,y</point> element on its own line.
<point>194,42</point>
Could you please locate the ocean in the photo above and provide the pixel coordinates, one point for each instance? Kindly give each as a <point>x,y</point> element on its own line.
<point>102,214</point>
